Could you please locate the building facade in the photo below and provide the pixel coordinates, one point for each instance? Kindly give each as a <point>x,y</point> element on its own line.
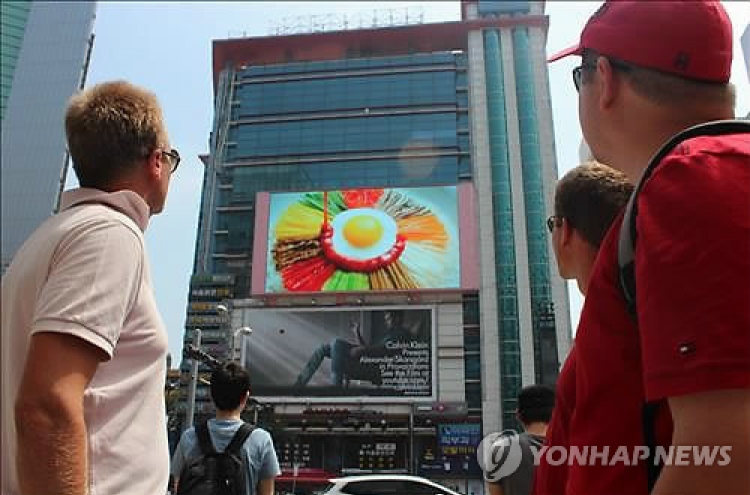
<point>745,44</point>
<point>46,48</point>
<point>13,17</point>
<point>327,151</point>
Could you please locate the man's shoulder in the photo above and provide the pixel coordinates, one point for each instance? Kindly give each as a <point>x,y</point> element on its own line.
<point>80,222</point>
<point>702,151</point>
<point>259,436</point>
<point>188,436</point>
<point>726,144</point>
<point>530,442</point>
<point>86,224</point>
<point>95,214</point>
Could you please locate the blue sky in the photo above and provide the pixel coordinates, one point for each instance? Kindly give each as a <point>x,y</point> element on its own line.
<point>166,47</point>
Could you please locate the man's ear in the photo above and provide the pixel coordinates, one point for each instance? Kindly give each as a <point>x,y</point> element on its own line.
<point>566,232</point>
<point>609,85</point>
<point>155,164</point>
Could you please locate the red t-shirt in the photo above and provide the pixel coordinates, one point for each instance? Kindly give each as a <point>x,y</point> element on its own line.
<point>551,479</point>
<point>693,332</point>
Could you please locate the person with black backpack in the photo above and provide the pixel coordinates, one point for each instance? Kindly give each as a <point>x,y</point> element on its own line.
<point>225,455</point>
<point>662,370</point>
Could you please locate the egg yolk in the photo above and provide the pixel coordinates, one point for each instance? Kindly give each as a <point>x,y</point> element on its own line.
<point>362,231</point>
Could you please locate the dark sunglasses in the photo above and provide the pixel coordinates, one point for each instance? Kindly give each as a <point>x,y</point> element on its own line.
<point>578,74</point>
<point>174,155</point>
<point>554,221</point>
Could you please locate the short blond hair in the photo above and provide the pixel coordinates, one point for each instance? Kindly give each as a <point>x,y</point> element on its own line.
<point>109,128</point>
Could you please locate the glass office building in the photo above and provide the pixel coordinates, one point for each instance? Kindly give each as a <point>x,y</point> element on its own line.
<point>13,17</point>
<point>459,106</point>
<point>45,51</point>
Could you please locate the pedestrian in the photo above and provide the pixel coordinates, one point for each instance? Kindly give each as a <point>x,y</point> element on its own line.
<point>535,404</point>
<point>675,372</point>
<point>588,199</point>
<point>83,346</point>
<point>226,433</point>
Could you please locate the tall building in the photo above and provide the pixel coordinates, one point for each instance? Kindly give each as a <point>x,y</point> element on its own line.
<point>13,16</point>
<point>745,44</point>
<point>379,198</point>
<point>46,48</point>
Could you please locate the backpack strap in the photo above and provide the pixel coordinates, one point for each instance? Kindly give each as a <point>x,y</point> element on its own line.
<point>628,234</point>
<point>204,439</point>
<point>239,438</point>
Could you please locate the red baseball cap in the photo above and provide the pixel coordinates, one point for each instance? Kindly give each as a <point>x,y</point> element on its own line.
<point>692,39</point>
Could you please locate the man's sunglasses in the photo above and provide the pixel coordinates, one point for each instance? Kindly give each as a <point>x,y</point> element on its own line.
<point>578,74</point>
<point>554,221</point>
<point>174,156</point>
<point>578,71</point>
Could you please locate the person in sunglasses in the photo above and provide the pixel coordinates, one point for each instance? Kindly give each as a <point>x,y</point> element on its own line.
<point>83,345</point>
<point>672,373</point>
<point>587,200</point>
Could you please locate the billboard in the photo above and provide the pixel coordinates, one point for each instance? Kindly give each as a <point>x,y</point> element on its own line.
<point>363,240</point>
<point>340,352</point>
<point>459,438</point>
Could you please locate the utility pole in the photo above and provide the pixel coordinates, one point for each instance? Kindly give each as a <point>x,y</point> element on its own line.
<point>242,333</point>
<point>194,364</point>
<point>412,457</point>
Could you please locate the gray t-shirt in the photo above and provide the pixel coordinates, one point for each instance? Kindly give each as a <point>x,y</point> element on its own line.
<point>520,481</point>
<point>259,453</point>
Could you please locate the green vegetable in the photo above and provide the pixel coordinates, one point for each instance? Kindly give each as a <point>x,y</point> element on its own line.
<point>335,202</point>
<point>347,281</point>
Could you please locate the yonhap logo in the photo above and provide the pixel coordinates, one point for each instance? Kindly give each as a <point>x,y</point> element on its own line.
<point>499,454</point>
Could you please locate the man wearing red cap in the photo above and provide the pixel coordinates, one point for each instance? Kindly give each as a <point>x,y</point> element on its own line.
<point>649,71</point>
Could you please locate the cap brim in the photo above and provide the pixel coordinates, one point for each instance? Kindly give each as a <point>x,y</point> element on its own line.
<point>573,50</point>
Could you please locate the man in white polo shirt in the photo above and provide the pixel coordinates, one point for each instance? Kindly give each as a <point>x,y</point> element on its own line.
<point>83,345</point>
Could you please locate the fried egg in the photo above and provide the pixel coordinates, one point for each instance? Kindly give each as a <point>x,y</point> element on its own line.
<point>363,233</point>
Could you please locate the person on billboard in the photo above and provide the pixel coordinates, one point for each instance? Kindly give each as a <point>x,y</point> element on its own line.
<point>83,345</point>
<point>345,355</point>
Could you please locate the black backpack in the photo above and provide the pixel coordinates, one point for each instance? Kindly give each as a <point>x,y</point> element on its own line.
<point>215,473</point>
<point>626,257</point>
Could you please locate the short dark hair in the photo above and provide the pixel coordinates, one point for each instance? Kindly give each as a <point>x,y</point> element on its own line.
<point>229,384</point>
<point>535,404</point>
<point>109,128</point>
<point>590,197</point>
<point>660,87</point>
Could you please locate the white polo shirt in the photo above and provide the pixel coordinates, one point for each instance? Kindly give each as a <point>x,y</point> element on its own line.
<point>84,273</point>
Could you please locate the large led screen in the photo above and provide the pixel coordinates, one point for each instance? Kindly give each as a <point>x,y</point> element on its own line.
<point>363,240</point>
<point>334,353</point>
